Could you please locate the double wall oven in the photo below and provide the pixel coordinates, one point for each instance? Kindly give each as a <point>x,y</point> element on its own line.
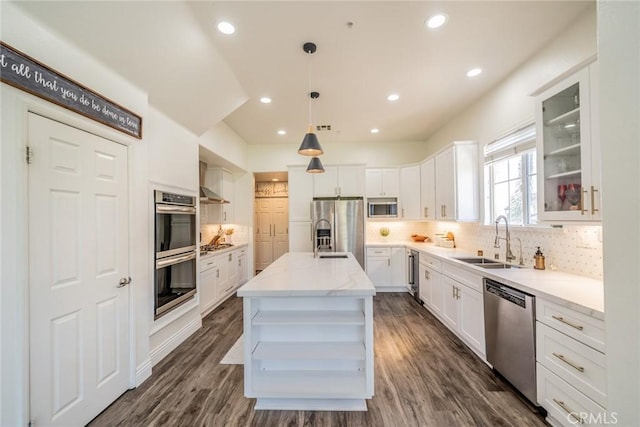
<point>175,250</point>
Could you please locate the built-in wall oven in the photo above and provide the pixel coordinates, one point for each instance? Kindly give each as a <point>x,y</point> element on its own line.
<point>175,250</point>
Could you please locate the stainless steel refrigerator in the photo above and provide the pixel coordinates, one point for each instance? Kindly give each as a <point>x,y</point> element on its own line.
<point>338,224</point>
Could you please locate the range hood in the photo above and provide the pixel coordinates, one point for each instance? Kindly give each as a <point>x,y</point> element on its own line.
<point>207,195</point>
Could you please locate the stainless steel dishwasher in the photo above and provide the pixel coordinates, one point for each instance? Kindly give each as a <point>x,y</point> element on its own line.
<point>509,325</point>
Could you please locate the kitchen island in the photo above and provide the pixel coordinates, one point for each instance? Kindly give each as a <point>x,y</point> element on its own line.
<point>308,334</point>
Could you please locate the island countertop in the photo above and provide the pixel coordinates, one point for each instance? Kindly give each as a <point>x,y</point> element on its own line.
<point>300,274</point>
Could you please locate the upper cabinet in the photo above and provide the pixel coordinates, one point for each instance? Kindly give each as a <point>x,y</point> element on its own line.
<point>343,180</point>
<point>410,193</point>
<point>428,189</point>
<point>568,150</point>
<point>221,181</point>
<point>456,182</point>
<point>382,182</point>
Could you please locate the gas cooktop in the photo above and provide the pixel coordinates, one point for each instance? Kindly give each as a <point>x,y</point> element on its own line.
<point>205,249</point>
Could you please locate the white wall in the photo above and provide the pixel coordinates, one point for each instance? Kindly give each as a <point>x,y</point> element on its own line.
<point>619,57</point>
<point>276,157</point>
<point>226,143</point>
<point>510,103</point>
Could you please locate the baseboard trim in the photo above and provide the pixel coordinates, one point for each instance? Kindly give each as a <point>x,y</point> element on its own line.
<point>160,352</point>
<point>143,372</point>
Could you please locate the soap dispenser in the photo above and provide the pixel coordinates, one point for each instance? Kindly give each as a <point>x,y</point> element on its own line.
<point>539,260</point>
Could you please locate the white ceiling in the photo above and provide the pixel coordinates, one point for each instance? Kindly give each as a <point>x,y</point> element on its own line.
<point>198,76</point>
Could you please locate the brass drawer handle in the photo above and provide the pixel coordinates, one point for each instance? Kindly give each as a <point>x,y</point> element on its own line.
<point>564,359</point>
<point>561,319</point>
<point>561,404</point>
<point>593,200</point>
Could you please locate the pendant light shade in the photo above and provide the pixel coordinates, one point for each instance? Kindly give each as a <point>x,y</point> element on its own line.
<point>310,145</point>
<point>315,166</point>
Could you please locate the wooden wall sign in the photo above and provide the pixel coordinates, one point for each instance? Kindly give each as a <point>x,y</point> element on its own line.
<point>29,75</point>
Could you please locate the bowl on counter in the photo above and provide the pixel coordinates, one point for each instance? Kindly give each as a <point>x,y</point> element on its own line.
<point>419,238</point>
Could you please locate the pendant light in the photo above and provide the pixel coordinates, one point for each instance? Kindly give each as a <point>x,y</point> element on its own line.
<point>310,145</point>
<point>315,166</point>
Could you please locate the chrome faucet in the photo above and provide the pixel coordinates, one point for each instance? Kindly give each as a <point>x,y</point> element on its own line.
<point>496,244</point>
<point>520,258</point>
<point>315,235</point>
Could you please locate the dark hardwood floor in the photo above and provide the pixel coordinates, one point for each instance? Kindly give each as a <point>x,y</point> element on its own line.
<point>424,376</point>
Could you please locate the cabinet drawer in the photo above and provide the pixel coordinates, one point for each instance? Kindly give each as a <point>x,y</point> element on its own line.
<point>579,365</point>
<point>378,251</point>
<point>564,404</point>
<point>224,288</point>
<point>466,277</point>
<point>207,263</point>
<point>582,327</point>
<point>433,262</point>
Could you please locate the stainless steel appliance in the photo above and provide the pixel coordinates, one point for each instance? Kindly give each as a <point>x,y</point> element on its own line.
<point>382,207</point>
<point>414,279</point>
<point>509,325</point>
<point>175,250</point>
<point>338,225</point>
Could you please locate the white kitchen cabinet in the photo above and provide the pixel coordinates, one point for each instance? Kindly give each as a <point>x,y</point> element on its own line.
<point>456,179</point>
<point>410,193</point>
<point>272,230</point>
<point>209,274</point>
<point>428,189</point>
<point>571,364</point>
<point>568,149</point>
<point>463,306</point>
<point>430,280</point>
<point>300,193</point>
<point>243,268</point>
<point>221,181</point>
<point>382,182</point>
<point>386,267</point>
<point>341,180</point>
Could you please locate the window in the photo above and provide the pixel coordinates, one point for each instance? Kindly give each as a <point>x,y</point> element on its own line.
<point>510,178</point>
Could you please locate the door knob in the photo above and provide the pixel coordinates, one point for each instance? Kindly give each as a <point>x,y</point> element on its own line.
<point>124,282</point>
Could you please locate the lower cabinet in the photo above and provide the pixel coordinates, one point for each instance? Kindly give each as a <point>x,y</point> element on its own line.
<point>386,267</point>
<point>571,373</point>
<point>220,276</point>
<point>455,297</point>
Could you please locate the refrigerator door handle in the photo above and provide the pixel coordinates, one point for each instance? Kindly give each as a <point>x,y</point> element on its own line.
<point>412,279</point>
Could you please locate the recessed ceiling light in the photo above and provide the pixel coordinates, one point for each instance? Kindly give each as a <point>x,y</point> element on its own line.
<point>282,132</point>
<point>226,28</point>
<point>436,21</point>
<point>265,100</point>
<point>393,97</point>
<point>375,130</point>
<point>474,72</point>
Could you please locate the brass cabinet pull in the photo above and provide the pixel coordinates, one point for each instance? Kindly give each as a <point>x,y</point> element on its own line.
<point>427,275</point>
<point>388,262</point>
<point>561,319</point>
<point>582,209</point>
<point>575,416</point>
<point>426,212</point>
<point>453,292</point>
<point>593,200</point>
<point>568,362</point>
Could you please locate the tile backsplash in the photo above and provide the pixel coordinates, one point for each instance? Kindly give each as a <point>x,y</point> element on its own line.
<point>240,233</point>
<point>572,249</point>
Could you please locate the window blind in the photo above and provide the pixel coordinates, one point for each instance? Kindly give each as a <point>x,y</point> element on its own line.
<point>521,140</point>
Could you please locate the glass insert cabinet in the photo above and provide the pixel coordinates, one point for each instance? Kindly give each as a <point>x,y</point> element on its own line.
<point>568,149</point>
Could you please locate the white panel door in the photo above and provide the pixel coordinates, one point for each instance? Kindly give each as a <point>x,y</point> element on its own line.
<point>428,188</point>
<point>445,185</point>
<point>279,217</point>
<point>410,190</point>
<point>78,252</point>
<point>264,230</point>
<point>326,184</point>
<point>351,180</point>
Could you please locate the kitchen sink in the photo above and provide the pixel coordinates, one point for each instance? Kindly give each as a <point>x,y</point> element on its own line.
<point>478,261</point>
<point>487,263</point>
<point>333,256</point>
<point>498,265</point>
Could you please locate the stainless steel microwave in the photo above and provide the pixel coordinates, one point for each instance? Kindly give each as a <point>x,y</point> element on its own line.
<point>382,207</point>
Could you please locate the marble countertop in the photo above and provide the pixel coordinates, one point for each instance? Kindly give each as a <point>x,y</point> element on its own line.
<point>300,274</point>
<point>580,293</point>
